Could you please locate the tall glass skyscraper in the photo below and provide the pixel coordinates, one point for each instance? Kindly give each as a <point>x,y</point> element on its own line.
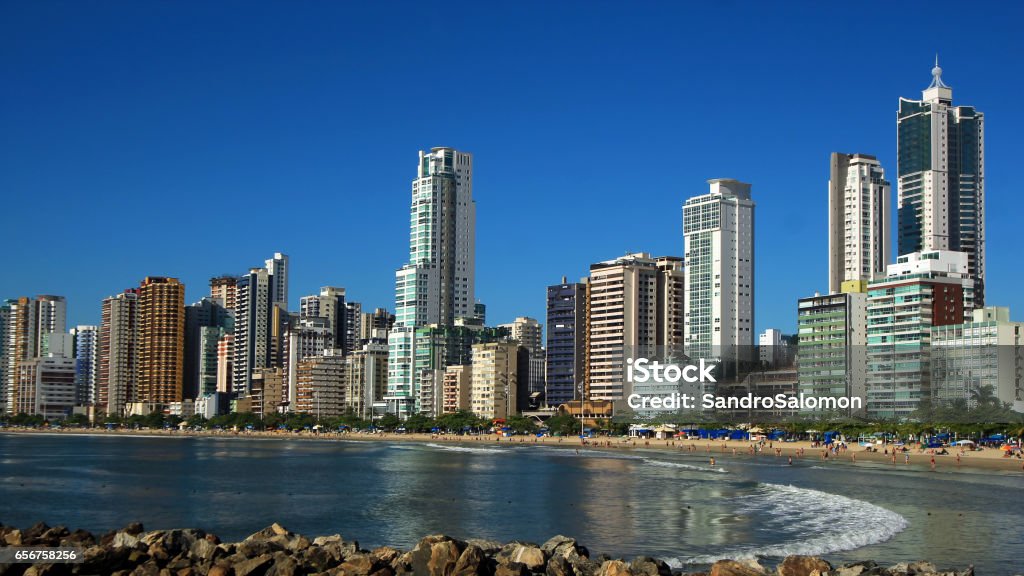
<point>941,164</point>
<point>437,285</point>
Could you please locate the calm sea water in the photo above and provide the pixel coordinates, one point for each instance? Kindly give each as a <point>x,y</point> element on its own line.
<point>674,506</point>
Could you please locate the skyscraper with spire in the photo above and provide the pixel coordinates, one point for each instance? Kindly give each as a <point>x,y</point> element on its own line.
<point>437,285</point>
<point>941,186</point>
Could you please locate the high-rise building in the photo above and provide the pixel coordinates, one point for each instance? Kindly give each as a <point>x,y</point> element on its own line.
<point>375,325</point>
<point>50,317</point>
<point>366,378</point>
<point>529,333</point>
<point>28,326</point>
<point>456,388</point>
<point>941,186</point>
<point>859,227</point>
<point>566,341</point>
<point>719,233</point>
<point>205,322</point>
<point>46,386</point>
<point>329,305</point>
<point>437,285</point>
<point>117,371</point>
<point>921,291</point>
<point>277,268</point>
<point>493,390</point>
<point>353,326</point>
<point>635,309</point>
<point>86,364</point>
<point>251,342</point>
<point>831,349</point>
<point>161,340</point>
<point>223,288</point>
<point>986,352</point>
<point>320,386</point>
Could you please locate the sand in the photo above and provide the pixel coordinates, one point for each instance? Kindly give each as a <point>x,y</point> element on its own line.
<point>985,459</point>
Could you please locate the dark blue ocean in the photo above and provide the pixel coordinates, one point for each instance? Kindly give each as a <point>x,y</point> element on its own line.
<point>623,503</point>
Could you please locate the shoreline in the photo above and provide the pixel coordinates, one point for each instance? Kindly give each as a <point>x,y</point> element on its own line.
<point>988,460</point>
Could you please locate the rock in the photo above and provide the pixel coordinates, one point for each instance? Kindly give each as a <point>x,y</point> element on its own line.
<point>257,547</point>
<point>317,559</point>
<point>471,562</point>
<point>386,554</point>
<point>284,565</point>
<point>734,568</point>
<point>613,568</point>
<point>358,565</point>
<point>33,533</point>
<point>435,555</point>
<point>647,566</point>
<point>79,539</point>
<point>558,566</point>
<point>488,546</point>
<point>523,553</point>
<point>150,568</point>
<point>124,540</point>
<point>219,570</point>
<point>274,529</point>
<point>802,566</point>
<point>511,569</point>
<point>204,550</point>
<point>14,538</point>
<point>253,566</point>
<point>556,543</point>
<point>135,528</point>
<point>321,540</point>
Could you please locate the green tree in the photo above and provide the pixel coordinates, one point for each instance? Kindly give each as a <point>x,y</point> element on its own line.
<point>563,425</point>
<point>522,425</point>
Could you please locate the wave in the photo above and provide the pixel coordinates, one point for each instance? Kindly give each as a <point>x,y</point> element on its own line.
<point>451,448</point>
<point>666,464</point>
<point>825,523</point>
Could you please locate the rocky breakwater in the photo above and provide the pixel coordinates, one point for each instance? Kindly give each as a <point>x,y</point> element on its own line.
<point>274,551</point>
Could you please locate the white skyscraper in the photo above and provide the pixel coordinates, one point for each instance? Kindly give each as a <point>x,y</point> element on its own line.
<point>718,228</point>
<point>941,170</point>
<point>437,285</point>
<point>859,228</point>
<point>277,267</point>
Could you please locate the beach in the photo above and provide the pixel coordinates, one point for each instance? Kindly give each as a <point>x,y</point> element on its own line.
<point>985,459</point>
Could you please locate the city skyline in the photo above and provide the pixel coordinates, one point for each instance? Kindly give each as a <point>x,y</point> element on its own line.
<point>668,173</point>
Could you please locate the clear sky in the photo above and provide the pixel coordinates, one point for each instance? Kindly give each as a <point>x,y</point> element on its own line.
<point>192,139</point>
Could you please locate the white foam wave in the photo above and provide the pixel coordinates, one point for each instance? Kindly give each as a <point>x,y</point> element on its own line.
<point>666,464</point>
<point>825,523</point>
<point>467,449</point>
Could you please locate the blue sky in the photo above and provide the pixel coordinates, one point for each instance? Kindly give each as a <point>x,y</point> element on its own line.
<point>191,139</point>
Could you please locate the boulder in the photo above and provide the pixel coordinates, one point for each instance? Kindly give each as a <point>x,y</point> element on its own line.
<point>524,553</point>
<point>358,565</point>
<point>556,544</point>
<point>614,568</point>
<point>274,529</point>
<point>734,568</point>
<point>511,569</point>
<point>471,562</point>
<point>386,554</point>
<point>204,550</point>
<point>488,546</point>
<point>149,568</point>
<point>558,566</point>
<point>219,570</point>
<point>123,539</point>
<point>284,565</point>
<point>802,566</point>
<point>435,555</point>
<point>134,528</point>
<point>14,538</point>
<point>253,566</point>
<point>647,566</point>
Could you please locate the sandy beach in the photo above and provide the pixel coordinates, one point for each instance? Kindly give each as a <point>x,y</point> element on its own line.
<point>983,459</point>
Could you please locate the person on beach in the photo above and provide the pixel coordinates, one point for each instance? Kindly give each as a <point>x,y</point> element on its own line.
<point>933,463</point>
<point>906,458</point>
<point>712,460</point>
<point>790,460</point>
